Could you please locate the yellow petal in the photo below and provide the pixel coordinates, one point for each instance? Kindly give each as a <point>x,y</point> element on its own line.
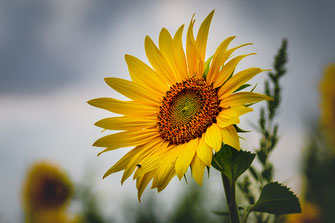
<point>126,123</point>
<point>213,137</point>
<point>242,98</point>
<point>230,115</point>
<point>236,81</point>
<point>125,139</point>
<point>217,59</point>
<point>144,75</point>
<point>133,91</point>
<point>123,107</point>
<point>179,53</point>
<point>143,182</point>
<point>166,168</point>
<point>202,36</point>
<point>230,137</point>
<point>198,168</point>
<point>167,49</point>
<point>227,70</point>
<point>136,159</point>
<point>153,160</point>
<point>185,157</point>
<point>166,181</point>
<point>192,52</point>
<point>229,52</point>
<point>205,152</point>
<point>158,61</point>
<point>226,118</point>
<point>123,162</point>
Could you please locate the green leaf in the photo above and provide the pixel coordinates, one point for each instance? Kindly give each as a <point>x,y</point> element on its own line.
<point>206,66</point>
<point>277,199</point>
<point>231,162</point>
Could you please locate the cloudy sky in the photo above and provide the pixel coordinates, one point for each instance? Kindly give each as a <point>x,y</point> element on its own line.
<point>55,54</point>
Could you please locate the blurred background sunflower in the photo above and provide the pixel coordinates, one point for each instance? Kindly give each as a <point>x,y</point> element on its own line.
<point>47,191</point>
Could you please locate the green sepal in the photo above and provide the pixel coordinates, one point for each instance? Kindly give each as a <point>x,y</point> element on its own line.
<point>252,90</point>
<point>207,66</point>
<point>238,129</point>
<point>276,199</point>
<point>242,87</point>
<point>232,163</point>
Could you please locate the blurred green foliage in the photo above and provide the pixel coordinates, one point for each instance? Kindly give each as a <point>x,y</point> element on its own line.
<point>319,172</point>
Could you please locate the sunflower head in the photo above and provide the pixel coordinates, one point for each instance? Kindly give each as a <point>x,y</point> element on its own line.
<point>181,108</point>
<point>327,89</point>
<point>46,188</point>
<point>310,214</point>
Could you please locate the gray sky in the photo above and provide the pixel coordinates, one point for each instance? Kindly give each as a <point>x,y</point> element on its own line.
<point>55,54</point>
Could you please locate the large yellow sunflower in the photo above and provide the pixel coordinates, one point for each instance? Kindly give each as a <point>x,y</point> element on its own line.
<point>180,108</point>
<point>46,188</point>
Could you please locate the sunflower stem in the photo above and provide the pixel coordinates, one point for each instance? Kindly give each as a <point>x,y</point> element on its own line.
<point>230,191</point>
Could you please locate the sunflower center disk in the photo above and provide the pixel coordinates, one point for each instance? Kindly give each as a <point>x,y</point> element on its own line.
<point>51,193</point>
<point>187,110</point>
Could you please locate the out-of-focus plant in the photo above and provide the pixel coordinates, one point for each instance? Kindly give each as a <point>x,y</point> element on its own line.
<point>319,155</point>
<point>263,177</point>
<point>90,205</point>
<point>47,192</point>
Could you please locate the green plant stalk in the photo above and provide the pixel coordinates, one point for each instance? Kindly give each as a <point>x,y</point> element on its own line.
<point>230,191</point>
<point>245,216</point>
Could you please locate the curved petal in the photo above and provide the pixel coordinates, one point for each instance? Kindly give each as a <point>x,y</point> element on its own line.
<point>142,74</point>
<point>236,81</point>
<point>179,53</point>
<point>226,118</point>
<point>123,162</point>
<point>242,98</point>
<point>151,162</point>
<point>123,107</point>
<point>230,137</point>
<point>185,157</point>
<point>167,49</point>
<point>166,169</point>
<point>125,139</point>
<point>158,61</point>
<point>213,137</point>
<point>142,182</point>
<point>133,91</point>
<point>230,116</point>
<point>135,161</point>
<point>198,168</point>
<point>205,152</point>
<point>126,123</point>
<point>202,37</point>
<point>227,70</point>
<point>192,52</point>
<point>217,59</point>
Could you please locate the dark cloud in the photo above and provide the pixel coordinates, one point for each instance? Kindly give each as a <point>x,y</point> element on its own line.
<point>27,64</point>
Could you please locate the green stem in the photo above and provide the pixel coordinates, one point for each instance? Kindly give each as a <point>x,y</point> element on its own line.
<point>245,217</point>
<point>230,191</point>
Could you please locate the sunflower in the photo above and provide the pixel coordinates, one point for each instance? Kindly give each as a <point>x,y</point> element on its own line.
<point>46,188</point>
<point>328,100</point>
<point>181,109</point>
<point>311,214</point>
